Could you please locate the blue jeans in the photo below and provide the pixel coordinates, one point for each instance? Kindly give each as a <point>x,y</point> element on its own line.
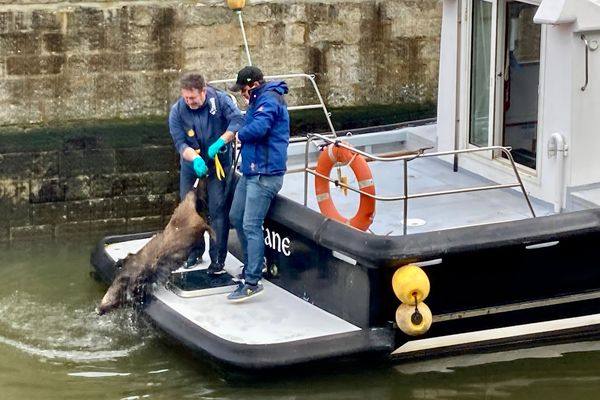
<point>218,212</point>
<point>251,202</point>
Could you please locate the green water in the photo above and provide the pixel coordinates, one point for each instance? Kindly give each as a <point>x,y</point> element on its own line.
<point>53,346</point>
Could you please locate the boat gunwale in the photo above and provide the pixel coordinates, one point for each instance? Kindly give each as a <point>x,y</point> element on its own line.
<point>376,251</point>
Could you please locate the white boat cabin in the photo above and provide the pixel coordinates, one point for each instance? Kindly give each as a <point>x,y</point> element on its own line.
<point>525,74</point>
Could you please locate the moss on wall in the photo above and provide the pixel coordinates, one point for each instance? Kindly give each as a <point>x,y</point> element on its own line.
<point>99,177</point>
<point>137,133</point>
<point>85,135</point>
<point>347,118</point>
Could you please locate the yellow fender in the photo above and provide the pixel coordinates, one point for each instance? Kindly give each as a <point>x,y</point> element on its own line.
<point>413,322</point>
<point>409,282</point>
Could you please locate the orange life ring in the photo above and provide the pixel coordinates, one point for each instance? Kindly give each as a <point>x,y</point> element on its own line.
<point>366,210</point>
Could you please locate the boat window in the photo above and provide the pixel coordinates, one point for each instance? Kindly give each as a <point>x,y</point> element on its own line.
<point>504,77</point>
<point>480,73</point>
<point>521,80</point>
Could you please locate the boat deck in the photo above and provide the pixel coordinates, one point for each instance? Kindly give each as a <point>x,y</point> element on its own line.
<point>425,214</point>
<point>274,316</point>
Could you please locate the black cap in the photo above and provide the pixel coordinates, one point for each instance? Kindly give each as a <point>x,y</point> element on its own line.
<point>247,76</point>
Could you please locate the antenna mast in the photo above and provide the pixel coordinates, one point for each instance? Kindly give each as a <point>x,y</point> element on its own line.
<point>237,5</point>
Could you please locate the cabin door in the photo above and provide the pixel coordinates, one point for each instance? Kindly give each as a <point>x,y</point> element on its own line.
<point>504,77</point>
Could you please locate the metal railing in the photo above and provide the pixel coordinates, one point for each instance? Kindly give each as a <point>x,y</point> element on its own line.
<point>311,79</point>
<point>406,158</point>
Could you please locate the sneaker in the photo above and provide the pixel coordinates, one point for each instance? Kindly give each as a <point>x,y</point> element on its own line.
<point>193,259</point>
<point>244,291</point>
<point>191,263</point>
<point>215,269</point>
<point>239,277</point>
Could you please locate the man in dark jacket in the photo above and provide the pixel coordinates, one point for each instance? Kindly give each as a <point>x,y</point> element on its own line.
<point>198,118</point>
<point>264,138</point>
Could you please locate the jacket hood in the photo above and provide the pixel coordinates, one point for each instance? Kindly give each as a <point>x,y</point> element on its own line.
<point>280,87</point>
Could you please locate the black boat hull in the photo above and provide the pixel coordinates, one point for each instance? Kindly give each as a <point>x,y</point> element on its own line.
<point>489,278</point>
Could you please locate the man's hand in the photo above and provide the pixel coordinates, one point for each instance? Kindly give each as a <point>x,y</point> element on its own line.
<point>215,147</point>
<point>200,167</point>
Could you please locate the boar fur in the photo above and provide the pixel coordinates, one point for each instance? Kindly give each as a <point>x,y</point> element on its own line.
<point>166,251</point>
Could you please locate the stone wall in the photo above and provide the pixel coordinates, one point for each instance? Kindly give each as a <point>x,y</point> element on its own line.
<point>89,180</point>
<point>69,62</point>
<point>72,60</point>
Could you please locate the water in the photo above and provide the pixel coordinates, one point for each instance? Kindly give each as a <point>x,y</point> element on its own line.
<point>53,346</point>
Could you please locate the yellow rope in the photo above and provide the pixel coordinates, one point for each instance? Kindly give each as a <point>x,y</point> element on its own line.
<point>219,168</point>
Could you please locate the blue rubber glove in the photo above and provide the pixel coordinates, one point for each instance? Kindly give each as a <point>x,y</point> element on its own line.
<point>200,167</point>
<point>215,147</point>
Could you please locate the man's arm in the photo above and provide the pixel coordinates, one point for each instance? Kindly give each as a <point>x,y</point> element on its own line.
<point>263,115</point>
<point>232,114</point>
<point>235,120</point>
<point>189,154</point>
<point>177,133</point>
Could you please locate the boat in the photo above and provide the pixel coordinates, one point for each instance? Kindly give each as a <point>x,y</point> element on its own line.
<point>472,234</point>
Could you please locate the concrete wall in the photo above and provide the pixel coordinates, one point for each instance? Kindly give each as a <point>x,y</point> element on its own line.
<point>78,61</point>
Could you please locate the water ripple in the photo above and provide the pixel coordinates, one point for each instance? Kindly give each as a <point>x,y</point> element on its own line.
<point>60,331</point>
<point>95,374</point>
<point>70,355</point>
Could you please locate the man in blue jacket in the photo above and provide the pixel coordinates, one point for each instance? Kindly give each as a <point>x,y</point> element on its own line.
<point>197,119</point>
<point>264,138</point>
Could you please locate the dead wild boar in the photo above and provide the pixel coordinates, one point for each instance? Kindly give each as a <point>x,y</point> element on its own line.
<point>165,252</point>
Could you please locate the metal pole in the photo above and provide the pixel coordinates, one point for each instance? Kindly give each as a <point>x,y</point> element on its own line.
<point>239,13</point>
<point>457,85</point>
<point>405,217</point>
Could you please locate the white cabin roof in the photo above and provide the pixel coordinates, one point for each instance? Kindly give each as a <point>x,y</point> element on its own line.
<point>584,13</point>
